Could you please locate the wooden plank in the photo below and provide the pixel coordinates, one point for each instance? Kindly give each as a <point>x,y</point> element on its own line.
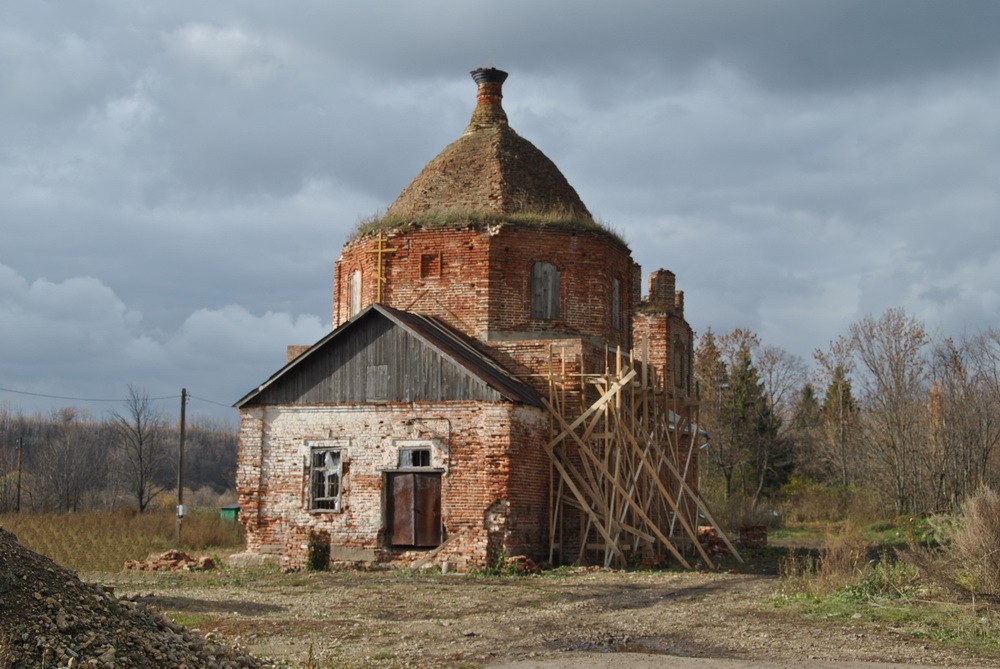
<point>596,406</point>
<point>596,461</point>
<point>579,496</point>
<point>692,533</point>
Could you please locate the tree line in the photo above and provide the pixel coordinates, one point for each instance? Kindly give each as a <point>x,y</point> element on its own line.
<point>886,411</point>
<point>71,461</point>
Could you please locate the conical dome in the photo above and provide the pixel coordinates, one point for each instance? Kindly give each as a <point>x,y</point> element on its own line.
<point>490,169</point>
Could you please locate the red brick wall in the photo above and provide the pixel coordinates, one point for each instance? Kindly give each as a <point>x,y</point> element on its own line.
<point>453,288</point>
<point>494,482</point>
<point>480,280</point>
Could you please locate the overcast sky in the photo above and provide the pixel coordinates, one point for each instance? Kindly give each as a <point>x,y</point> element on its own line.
<point>177,179</point>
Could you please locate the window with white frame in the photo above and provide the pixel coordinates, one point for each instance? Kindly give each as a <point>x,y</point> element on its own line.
<point>415,457</point>
<point>326,471</point>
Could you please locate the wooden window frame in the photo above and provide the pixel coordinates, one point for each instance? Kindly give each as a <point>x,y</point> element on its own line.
<point>323,461</point>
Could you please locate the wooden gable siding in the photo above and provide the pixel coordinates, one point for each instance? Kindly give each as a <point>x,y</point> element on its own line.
<point>347,371</point>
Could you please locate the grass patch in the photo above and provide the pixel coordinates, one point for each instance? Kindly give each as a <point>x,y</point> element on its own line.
<point>103,540</point>
<point>799,532</point>
<point>483,219</point>
<point>954,625</point>
<point>903,531</point>
<point>191,620</point>
<point>851,581</point>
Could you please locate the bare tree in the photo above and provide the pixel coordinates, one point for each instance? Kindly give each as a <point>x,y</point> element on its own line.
<point>140,436</point>
<point>894,386</point>
<point>964,417</point>
<point>712,376</point>
<point>65,462</point>
<point>838,446</point>
<point>783,375</point>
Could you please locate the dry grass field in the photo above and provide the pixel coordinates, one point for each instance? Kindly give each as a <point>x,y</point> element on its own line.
<point>101,541</point>
<point>830,603</point>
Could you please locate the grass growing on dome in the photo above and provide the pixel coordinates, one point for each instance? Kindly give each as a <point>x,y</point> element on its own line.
<point>477,218</point>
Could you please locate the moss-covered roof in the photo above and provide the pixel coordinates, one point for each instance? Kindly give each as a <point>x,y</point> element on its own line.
<point>490,169</point>
<point>478,219</point>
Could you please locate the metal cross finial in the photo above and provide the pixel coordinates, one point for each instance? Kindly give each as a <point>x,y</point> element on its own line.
<point>380,250</point>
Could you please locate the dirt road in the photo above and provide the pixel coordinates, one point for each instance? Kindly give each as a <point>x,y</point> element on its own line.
<point>581,619</point>
<point>639,661</point>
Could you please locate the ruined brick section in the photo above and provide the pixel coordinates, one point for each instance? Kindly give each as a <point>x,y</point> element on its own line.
<point>662,285</point>
<point>660,327</point>
<point>489,453</point>
<point>295,350</point>
<point>479,281</point>
<point>532,360</point>
<point>670,349</point>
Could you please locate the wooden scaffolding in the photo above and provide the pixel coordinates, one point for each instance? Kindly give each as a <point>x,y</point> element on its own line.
<point>624,456</point>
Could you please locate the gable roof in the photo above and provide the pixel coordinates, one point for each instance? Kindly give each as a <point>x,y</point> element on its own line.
<point>453,346</point>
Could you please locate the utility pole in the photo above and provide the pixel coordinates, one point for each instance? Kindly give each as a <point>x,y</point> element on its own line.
<point>180,470</point>
<point>20,447</point>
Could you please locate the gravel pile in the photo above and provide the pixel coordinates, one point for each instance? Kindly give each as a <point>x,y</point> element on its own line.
<point>50,618</point>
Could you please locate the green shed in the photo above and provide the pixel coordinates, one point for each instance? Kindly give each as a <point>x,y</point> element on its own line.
<point>230,512</point>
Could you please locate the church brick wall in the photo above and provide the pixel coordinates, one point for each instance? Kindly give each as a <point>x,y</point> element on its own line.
<point>479,281</point>
<point>494,482</point>
<point>441,272</point>
<point>665,332</point>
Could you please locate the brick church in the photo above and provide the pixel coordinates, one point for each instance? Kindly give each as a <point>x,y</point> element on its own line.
<point>422,424</point>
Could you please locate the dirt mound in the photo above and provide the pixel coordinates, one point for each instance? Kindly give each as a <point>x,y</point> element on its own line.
<point>49,617</point>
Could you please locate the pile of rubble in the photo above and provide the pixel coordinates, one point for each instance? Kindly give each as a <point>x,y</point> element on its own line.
<point>50,618</point>
<point>172,561</point>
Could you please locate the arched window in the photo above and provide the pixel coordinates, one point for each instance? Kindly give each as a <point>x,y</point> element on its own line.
<point>354,299</point>
<point>544,291</point>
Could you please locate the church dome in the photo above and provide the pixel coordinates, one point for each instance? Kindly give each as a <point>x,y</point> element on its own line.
<point>490,170</point>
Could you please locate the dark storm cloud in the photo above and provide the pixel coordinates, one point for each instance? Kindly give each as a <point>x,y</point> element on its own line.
<point>176,181</point>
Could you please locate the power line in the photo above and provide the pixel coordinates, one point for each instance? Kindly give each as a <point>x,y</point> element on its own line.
<point>195,397</point>
<point>81,399</point>
<point>105,399</point>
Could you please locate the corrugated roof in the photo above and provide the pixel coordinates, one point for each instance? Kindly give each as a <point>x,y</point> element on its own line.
<point>450,343</point>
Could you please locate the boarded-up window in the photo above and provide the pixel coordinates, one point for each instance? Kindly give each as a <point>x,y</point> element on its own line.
<point>354,299</point>
<point>616,303</point>
<point>325,473</point>
<point>377,383</point>
<point>414,513</point>
<point>544,291</point>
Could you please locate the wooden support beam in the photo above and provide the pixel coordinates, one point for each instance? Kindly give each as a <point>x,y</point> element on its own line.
<point>585,449</point>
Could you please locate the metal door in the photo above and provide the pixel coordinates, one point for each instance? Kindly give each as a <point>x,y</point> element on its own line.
<point>414,513</point>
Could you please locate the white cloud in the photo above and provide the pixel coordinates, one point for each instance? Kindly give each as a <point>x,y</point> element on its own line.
<point>232,52</point>
<point>78,338</point>
<point>159,165</point>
